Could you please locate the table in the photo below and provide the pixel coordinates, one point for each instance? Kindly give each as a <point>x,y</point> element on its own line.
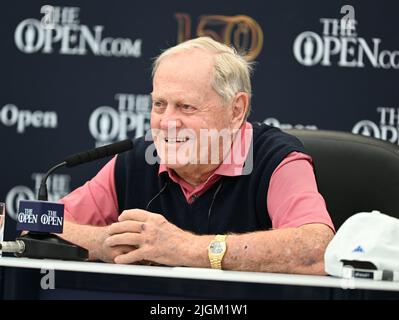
<point>72,275</point>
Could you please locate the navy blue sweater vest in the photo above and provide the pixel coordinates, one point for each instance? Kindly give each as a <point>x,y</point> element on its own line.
<point>233,204</point>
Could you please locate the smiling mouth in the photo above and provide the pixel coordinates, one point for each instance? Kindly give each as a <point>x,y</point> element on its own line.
<point>176,140</point>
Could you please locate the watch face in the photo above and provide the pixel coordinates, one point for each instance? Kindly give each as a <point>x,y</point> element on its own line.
<point>216,247</point>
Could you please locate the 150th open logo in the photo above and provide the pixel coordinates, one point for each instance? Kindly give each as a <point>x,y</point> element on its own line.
<point>243,32</point>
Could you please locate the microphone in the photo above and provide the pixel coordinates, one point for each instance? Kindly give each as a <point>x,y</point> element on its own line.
<point>42,217</point>
<point>83,157</point>
<point>98,153</point>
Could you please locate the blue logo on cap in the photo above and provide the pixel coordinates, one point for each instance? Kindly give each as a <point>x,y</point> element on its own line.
<point>358,249</point>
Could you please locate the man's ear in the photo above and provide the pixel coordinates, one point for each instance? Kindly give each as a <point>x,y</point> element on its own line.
<point>240,106</point>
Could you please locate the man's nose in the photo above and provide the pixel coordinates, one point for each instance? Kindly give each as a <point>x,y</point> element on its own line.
<point>170,119</point>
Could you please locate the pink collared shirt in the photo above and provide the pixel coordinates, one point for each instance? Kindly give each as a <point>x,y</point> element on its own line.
<point>292,199</point>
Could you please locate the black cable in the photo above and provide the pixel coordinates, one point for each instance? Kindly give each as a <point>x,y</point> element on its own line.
<point>157,195</point>
<point>210,207</point>
<point>213,201</point>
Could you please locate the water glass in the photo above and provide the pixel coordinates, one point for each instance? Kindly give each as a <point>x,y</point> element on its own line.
<point>2,220</point>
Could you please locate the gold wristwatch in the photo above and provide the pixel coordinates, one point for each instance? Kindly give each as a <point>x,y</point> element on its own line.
<point>216,250</point>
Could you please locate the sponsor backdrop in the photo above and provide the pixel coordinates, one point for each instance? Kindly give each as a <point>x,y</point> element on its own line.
<point>76,75</point>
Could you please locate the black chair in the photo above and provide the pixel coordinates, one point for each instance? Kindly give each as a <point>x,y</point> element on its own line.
<point>354,173</point>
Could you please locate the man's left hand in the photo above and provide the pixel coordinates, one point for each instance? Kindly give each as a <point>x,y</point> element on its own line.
<point>157,240</point>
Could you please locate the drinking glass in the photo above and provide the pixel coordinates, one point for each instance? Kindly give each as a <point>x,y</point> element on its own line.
<point>2,220</point>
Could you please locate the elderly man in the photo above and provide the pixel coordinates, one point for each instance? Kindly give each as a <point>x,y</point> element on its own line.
<point>218,192</point>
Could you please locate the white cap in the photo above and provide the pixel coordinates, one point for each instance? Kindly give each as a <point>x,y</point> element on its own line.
<point>365,246</point>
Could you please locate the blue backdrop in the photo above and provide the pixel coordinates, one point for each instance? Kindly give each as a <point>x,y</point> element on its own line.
<point>77,75</point>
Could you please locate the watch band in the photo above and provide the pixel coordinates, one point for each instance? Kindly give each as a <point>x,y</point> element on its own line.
<point>215,259</point>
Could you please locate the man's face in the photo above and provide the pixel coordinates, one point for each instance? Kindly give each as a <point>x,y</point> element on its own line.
<point>184,108</point>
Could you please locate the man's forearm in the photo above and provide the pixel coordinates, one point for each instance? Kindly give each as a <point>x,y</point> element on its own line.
<point>291,250</point>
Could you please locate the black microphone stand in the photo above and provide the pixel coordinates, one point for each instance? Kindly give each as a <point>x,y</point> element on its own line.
<point>49,245</point>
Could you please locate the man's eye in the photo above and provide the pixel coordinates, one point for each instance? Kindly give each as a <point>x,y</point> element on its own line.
<point>157,104</point>
<point>187,108</point>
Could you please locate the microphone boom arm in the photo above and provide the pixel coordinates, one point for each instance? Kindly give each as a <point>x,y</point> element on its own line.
<point>49,245</point>
<point>42,194</point>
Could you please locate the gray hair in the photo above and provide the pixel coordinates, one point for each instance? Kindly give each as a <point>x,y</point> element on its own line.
<point>232,73</point>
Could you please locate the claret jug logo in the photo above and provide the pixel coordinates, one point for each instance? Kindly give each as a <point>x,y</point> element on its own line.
<point>240,31</point>
<point>339,44</point>
<point>58,186</point>
<point>387,129</point>
<point>130,119</point>
<point>60,30</point>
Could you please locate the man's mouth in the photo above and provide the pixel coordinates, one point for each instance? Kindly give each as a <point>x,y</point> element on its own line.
<point>176,140</point>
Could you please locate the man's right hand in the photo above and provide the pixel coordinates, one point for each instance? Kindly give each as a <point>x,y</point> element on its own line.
<point>107,253</point>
